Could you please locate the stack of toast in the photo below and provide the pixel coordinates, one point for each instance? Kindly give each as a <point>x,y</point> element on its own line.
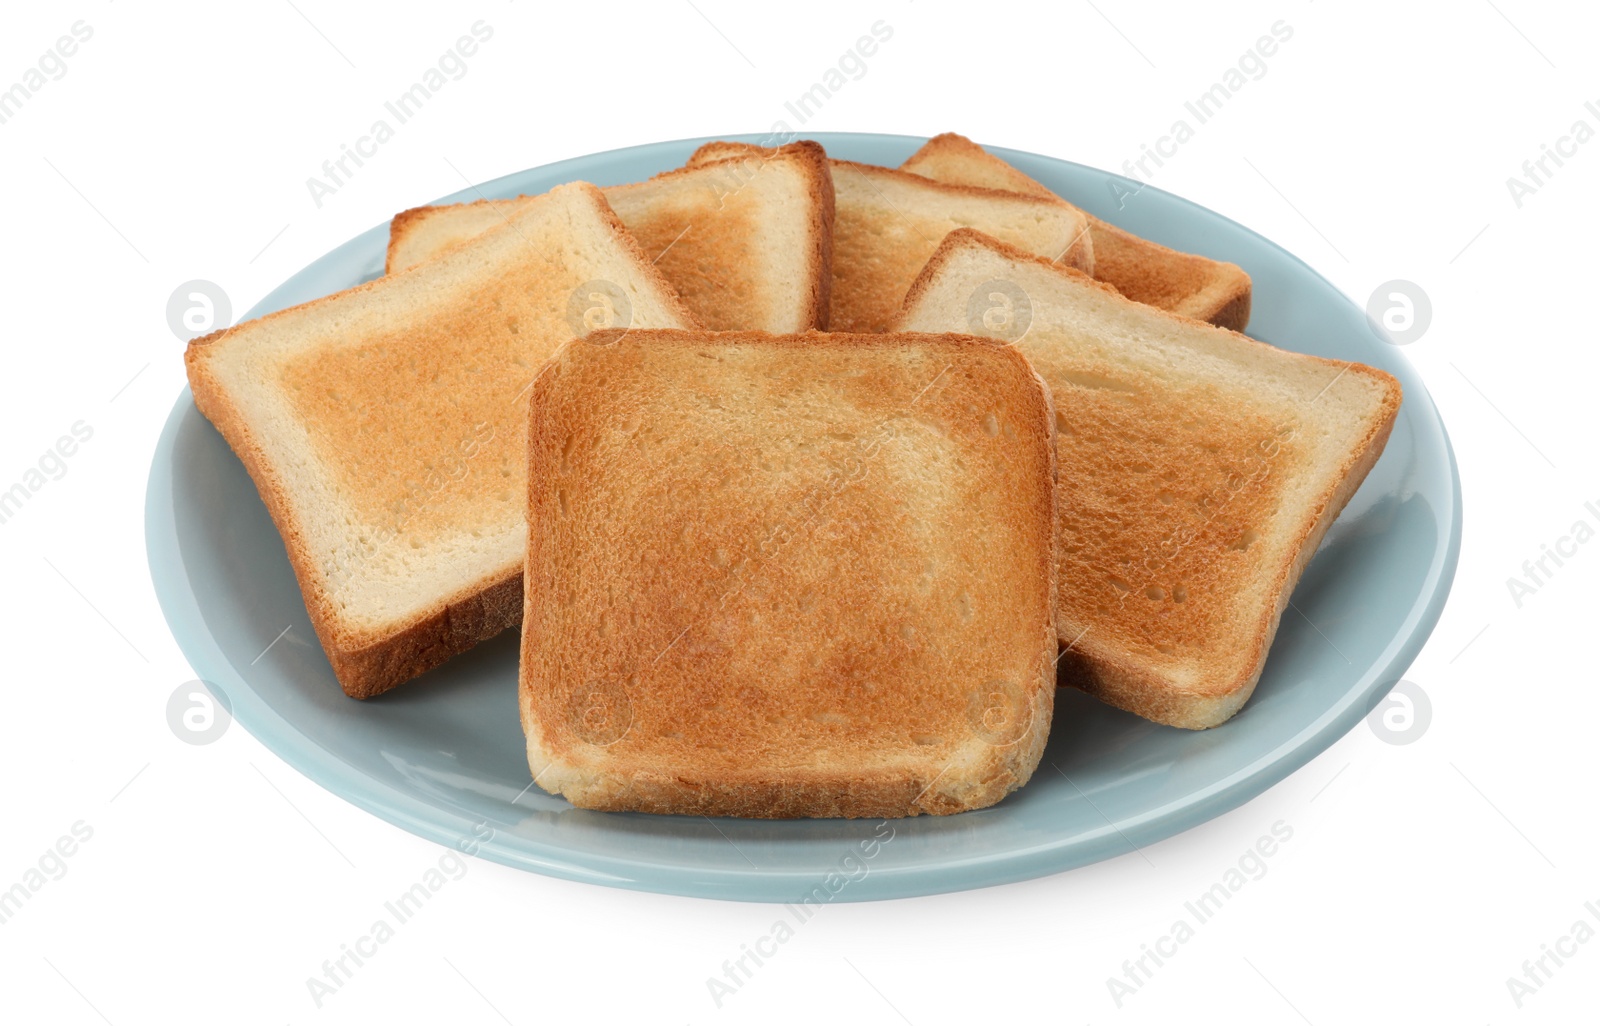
<point>807,480</point>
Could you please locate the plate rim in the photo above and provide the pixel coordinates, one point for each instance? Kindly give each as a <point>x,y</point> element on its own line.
<point>444,826</point>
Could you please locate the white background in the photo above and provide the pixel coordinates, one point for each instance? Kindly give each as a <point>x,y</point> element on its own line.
<point>1377,146</point>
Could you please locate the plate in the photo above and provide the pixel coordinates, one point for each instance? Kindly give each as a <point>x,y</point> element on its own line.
<point>443,755</point>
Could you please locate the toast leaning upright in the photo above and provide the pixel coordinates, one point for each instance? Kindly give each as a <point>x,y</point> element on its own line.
<point>751,252</point>
<point>1199,469</point>
<point>887,224</point>
<point>784,576</point>
<point>384,426</point>
<point>1194,286</point>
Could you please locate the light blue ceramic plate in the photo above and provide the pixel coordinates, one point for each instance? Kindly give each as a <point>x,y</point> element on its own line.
<point>443,757</point>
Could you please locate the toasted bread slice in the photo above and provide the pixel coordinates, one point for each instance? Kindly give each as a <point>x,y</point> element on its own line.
<point>782,576</point>
<point>385,426</point>
<point>745,252</point>
<point>1199,468</point>
<point>1194,286</point>
<point>887,223</point>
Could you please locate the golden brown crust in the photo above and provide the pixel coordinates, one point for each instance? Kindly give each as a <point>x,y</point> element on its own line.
<point>702,235</point>
<point>406,222</point>
<point>717,152</point>
<point>961,237</point>
<point>711,152</point>
<point>770,629</point>
<point>1129,685</point>
<point>1182,283</point>
<point>1100,654</point>
<point>1230,309</point>
<point>977,166</point>
<point>815,159</point>
<point>363,667</point>
<point>368,662</point>
<point>959,189</point>
<point>822,293</point>
<point>462,624</point>
<point>1144,271</point>
<point>891,220</point>
<point>870,276</point>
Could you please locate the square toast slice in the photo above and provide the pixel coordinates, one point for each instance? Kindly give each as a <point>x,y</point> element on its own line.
<point>1200,470</point>
<point>1145,271</point>
<point>887,223</point>
<point>751,253</point>
<point>785,576</point>
<point>385,426</point>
